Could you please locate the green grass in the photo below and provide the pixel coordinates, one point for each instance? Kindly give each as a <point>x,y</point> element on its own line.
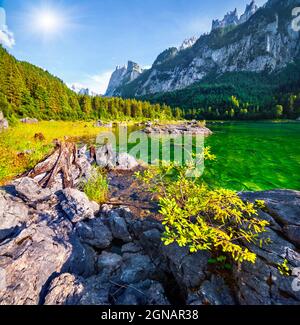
<point>20,151</point>
<point>96,188</point>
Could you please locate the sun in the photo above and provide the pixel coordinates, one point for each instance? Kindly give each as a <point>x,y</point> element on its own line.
<point>48,21</point>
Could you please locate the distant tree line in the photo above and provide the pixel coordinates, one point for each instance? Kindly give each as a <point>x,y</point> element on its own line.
<point>26,90</point>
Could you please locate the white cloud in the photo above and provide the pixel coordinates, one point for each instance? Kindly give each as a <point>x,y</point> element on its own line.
<point>6,36</point>
<point>96,83</point>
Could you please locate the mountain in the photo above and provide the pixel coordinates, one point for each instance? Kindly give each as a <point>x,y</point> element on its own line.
<point>83,91</point>
<point>122,76</point>
<point>260,41</point>
<point>232,18</point>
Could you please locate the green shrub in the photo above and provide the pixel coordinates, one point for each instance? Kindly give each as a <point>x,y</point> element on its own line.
<point>202,218</point>
<point>96,188</point>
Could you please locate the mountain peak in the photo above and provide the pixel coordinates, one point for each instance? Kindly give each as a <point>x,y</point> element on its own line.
<point>187,43</point>
<point>232,18</point>
<point>123,75</point>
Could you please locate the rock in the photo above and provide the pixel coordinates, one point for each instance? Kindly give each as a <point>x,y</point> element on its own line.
<point>214,292</point>
<point>30,190</point>
<point>293,234</point>
<point>118,227</point>
<point>77,206</point>
<point>131,248</point>
<point>105,157</point>
<point>191,128</point>
<point>136,268</point>
<point>13,215</point>
<point>126,162</point>
<point>144,293</point>
<point>66,289</point>
<point>28,120</point>
<point>94,233</point>
<point>31,259</point>
<point>82,262</point>
<point>71,290</point>
<point>283,205</point>
<point>109,262</point>
<point>3,122</point>
<point>188,269</point>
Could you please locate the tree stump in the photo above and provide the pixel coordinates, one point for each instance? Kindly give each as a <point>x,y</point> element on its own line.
<point>61,161</point>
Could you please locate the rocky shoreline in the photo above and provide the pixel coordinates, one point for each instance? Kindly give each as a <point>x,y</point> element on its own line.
<point>187,128</point>
<point>58,248</point>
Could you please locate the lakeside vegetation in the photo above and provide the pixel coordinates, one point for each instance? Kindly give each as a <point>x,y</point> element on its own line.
<point>24,145</point>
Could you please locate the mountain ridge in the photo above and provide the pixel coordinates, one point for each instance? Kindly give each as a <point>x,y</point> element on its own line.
<point>264,42</point>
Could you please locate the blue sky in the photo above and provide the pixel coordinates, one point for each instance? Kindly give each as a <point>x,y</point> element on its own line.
<point>91,37</point>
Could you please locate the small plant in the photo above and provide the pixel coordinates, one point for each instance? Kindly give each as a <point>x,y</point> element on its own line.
<point>284,268</point>
<point>221,262</point>
<point>96,188</point>
<point>202,218</point>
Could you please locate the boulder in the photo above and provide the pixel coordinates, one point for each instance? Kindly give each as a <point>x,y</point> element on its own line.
<point>13,215</point>
<point>118,227</point>
<point>94,233</point>
<point>30,190</point>
<point>126,162</point>
<point>66,289</point>
<point>77,206</point>
<point>136,268</point>
<point>109,262</point>
<point>31,259</point>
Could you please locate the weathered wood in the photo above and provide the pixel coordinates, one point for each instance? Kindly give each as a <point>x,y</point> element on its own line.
<point>61,161</point>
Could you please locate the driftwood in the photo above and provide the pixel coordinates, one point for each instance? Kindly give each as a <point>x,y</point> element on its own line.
<point>60,161</point>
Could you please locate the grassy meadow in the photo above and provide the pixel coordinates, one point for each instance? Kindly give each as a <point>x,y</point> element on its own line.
<point>21,149</point>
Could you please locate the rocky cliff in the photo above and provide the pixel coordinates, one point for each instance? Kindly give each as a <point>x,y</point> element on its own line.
<point>260,40</point>
<point>122,76</point>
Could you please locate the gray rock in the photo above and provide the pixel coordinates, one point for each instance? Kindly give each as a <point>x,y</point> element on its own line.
<point>13,215</point>
<point>31,259</point>
<point>143,293</point>
<point>136,268</point>
<point>188,269</point>
<point>83,259</point>
<point>28,120</point>
<point>293,234</point>
<point>109,262</point>
<point>66,289</point>
<point>30,190</point>
<point>3,122</point>
<point>131,248</point>
<point>94,233</point>
<point>77,206</point>
<point>214,292</point>
<point>118,227</point>
<point>105,157</point>
<point>284,206</point>
<point>126,162</point>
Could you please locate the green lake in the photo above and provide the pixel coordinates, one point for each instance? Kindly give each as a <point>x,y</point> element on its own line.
<point>253,156</point>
